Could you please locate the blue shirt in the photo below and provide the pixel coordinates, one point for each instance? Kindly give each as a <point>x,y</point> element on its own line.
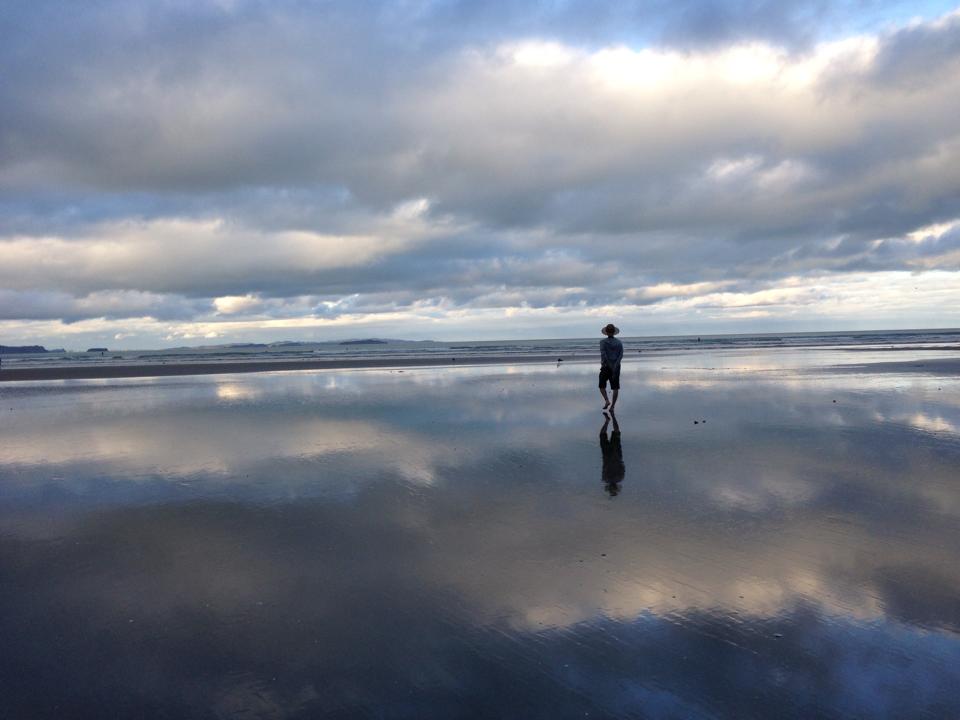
<point>611,351</point>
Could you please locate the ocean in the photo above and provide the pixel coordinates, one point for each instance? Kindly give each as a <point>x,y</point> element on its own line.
<point>937,341</point>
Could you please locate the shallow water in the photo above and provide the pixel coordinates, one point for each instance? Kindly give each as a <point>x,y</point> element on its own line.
<point>929,343</point>
<point>456,543</point>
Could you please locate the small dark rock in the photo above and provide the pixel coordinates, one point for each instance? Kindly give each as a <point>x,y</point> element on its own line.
<point>696,422</point>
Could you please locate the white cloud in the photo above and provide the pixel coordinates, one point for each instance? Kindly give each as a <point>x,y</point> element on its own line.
<point>233,304</point>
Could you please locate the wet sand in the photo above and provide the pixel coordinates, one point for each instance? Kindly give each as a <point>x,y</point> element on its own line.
<point>102,372</point>
<point>944,366</point>
<point>936,366</point>
<point>463,542</point>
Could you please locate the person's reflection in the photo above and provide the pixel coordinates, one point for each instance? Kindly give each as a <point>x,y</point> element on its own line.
<point>613,467</point>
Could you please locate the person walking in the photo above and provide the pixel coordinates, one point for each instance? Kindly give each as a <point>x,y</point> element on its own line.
<point>611,353</point>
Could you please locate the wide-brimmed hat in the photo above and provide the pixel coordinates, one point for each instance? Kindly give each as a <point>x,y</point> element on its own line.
<point>610,327</point>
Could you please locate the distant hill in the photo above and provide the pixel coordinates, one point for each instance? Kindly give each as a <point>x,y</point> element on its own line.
<point>21,349</point>
<point>292,344</point>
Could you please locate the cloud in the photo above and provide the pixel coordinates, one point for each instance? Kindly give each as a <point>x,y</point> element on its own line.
<point>107,304</point>
<point>185,255</point>
<point>374,155</point>
<point>233,304</point>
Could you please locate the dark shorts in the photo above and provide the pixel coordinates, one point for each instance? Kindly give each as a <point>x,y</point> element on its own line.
<point>613,375</point>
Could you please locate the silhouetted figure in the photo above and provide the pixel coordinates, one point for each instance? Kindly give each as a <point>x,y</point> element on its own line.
<point>611,352</point>
<point>613,467</point>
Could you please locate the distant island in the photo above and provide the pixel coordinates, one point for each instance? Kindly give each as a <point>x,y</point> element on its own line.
<point>21,349</point>
<point>368,341</point>
<point>99,350</point>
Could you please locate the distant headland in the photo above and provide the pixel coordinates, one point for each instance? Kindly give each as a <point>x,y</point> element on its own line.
<point>21,349</point>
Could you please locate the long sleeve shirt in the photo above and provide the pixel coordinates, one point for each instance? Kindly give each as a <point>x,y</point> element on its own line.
<point>611,352</point>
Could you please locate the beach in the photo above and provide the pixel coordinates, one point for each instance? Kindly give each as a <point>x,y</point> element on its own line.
<point>931,352</point>
<point>775,535</point>
<point>101,372</point>
<point>305,307</point>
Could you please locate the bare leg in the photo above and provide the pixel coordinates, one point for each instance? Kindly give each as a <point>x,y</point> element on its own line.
<point>614,402</point>
<point>606,400</point>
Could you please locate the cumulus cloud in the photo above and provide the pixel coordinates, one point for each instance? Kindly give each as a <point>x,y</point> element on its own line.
<point>215,162</point>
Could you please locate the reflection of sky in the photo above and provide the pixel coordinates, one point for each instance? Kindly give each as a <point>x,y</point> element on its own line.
<point>435,540</point>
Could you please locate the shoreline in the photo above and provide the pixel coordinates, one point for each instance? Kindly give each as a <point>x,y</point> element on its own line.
<point>937,366</point>
<point>106,372</point>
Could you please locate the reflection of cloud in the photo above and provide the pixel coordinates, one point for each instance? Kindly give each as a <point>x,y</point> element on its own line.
<point>236,391</point>
<point>222,446</point>
<point>219,427</point>
<point>924,420</point>
<point>765,491</point>
<point>666,383</point>
<point>933,424</point>
<point>418,522</point>
<point>452,429</point>
<point>304,585</point>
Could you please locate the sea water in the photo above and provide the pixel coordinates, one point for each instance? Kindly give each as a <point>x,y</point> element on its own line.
<point>938,342</point>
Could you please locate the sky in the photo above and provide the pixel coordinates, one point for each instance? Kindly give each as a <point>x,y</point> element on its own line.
<point>226,171</point>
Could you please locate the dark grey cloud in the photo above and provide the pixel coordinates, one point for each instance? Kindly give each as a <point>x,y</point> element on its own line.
<point>111,305</point>
<point>714,21</point>
<point>919,55</point>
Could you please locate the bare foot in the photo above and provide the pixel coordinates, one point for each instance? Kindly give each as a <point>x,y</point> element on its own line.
<point>606,405</point>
